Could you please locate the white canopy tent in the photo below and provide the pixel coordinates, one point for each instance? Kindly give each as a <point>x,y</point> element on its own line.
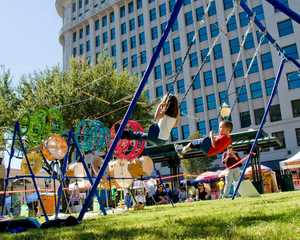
<point>291,163</point>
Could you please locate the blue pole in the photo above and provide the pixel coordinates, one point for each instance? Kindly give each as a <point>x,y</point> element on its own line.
<point>293,15</point>
<point>261,125</point>
<point>268,36</point>
<point>131,107</point>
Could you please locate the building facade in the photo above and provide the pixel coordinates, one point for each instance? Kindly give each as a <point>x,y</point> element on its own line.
<point>129,30</point>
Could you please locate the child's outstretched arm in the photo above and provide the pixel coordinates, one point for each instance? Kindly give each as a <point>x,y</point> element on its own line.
<point>212,138</point>
<point>177,117</point>
<point>160,111</point>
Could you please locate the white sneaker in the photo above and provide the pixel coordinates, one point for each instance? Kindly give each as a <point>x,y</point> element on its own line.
<point>178,149</point>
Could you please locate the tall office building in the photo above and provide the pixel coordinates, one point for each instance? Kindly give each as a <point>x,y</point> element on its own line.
<point>130,30</point>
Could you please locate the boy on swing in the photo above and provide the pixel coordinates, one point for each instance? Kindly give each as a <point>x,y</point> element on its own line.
<point>209,145</point>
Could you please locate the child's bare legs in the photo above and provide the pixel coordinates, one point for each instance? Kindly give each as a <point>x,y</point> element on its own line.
<point>182,150</point>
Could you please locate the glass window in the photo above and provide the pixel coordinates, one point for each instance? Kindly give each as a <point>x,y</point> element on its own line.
<point>280,136</point>
<point>204,53</point>
<point>112,33</point>
<point>74,51</point>
<point>175,26</point>
<point>285,28</point>
<point>202,128</point>
<point>133,42</point>
<point>239,70</point>
<point>134,61</point>
<point>81,33</point>
<point>159,92</point>
<point>202,34</point>
<point>258,114</point>
<point>112,17</point>
<point>105,38</point>
<point>97,25</point>
<point>81,50</point>
<point>254,67</point>
<point>163,27</point>
<point>124,46</point>
<point>249,42</point>
<point>143,57</point>
<point>259,12</point>
<point>242,95</point>
<point>104,21</point>
<point>152,14</point>
<point>174,134</point>
<point>171,5</point>
<point>259,36</point>
<point>188,18</point>
<point>87,30</point>
<point>256,90</point>
<point>227,4</point>
<point>231,25</point>
<point>220,72</point>
<point>122,11</point>
<point>97,41</point>
<point>185,131</point>
<point>275,113</point>
<point>168,68</point>
<point>193,59</point>
<point>291,51</point>
<point>243,19</point>
<point>208,78</point>
<point>80,3</point>
<point>139,4</point>
<point>218,51</point>
<point>213,123</point>
<point>150,1</point>
<point>169,85</point>
<point>199,104</point>
<point>130,7</point>
<point>199,13</point>
<point>74,36</point>
<point>245,119</point>
<point>178,62</point>
<point>180,86</point>
<point>284,2</point>
<point>223,96</point>
<point>297,130</point>
<point>211,101</point>
<point>140,20</point>
<point>197,83</point>
<point>176,44</point>
<point>88,46</point>
<point>190,37</point>
<point>142,38</point>
<point>113,50</point>
<point>74,7</point>
<point>166,48</point>
<point>183,109</point>
<point>123,28</point>
<point>234,45</point>
<point>293,80</point>
<point>186,2</point>
<point>87,2</point>
<point>214,29</point>
<point>269,85</point>
<point>266,60</point>
<point>125,62</point>
<point>131,24</point>
<point>162,10</point>
<point>212,10</point>
<point>157,72</point>
<point>154,49</point>
<point>296,108</point>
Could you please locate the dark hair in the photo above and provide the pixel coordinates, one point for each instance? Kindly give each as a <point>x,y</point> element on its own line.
<point>167,185</point>
<point>188,183</point>
<point>171,105</point>
<point>227,124</point>
<point>184,188</point>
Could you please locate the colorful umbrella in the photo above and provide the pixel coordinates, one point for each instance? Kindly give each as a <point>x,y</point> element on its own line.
<point>263,169</point>
<point>207,175</point>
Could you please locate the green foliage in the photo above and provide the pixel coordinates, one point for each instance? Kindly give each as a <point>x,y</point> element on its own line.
<point>196,165</point>
<point>272,216</point>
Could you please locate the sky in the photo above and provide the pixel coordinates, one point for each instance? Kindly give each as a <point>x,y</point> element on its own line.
<point>29,39</point>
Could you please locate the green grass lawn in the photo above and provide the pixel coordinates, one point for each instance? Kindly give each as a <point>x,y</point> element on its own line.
<point>272,216</point>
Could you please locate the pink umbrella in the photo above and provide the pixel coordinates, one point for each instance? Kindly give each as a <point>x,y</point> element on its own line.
<point>263,169</point>
<point>207,175</point>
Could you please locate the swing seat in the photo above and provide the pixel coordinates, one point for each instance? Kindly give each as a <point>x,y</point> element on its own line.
<point>153,132</point>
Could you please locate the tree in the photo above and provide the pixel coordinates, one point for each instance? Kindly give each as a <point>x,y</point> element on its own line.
<point>198,165</point>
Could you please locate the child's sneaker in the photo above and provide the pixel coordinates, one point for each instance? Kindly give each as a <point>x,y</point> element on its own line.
<point>178,149</point>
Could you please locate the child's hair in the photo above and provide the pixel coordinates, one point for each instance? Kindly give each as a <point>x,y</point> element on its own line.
<point>227,124</point>
<point>171,105</point>
<point>183,189</point>
<point>167,185</point>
